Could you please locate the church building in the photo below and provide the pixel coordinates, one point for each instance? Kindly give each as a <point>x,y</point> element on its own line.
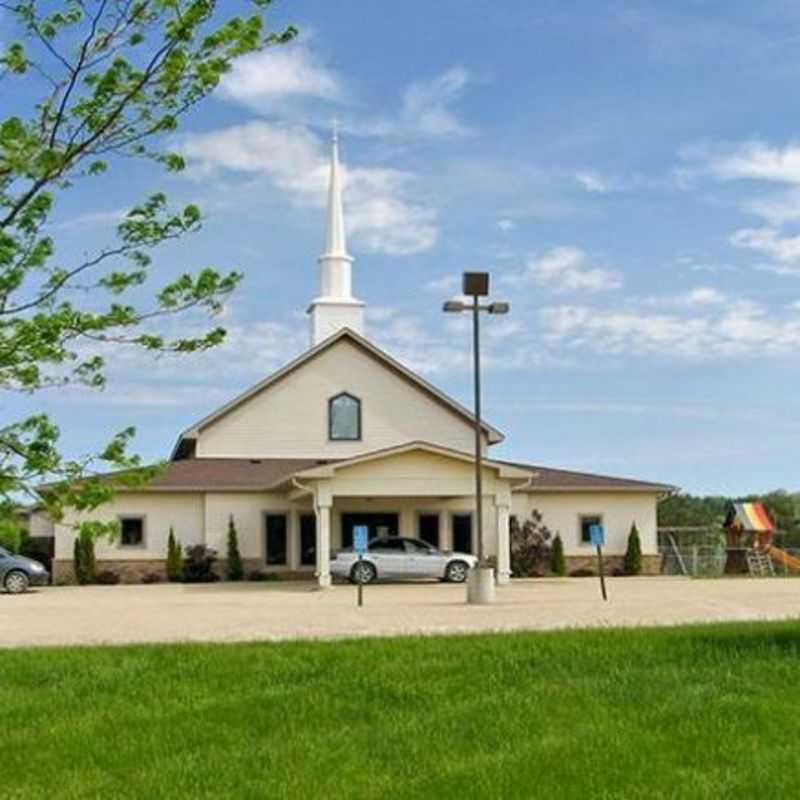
<point>346,435</point>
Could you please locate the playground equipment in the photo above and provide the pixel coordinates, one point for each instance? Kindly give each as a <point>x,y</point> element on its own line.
<point>778,556</point>
<point>749,530</point>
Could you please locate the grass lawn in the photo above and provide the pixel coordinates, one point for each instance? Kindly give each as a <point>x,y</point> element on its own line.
<point>684,712</point>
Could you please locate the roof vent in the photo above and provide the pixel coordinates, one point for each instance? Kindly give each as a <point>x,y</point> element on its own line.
<point>255,460</point>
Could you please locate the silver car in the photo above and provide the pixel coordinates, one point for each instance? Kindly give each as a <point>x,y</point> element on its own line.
<point>17,573</point>
<point>397,558</point>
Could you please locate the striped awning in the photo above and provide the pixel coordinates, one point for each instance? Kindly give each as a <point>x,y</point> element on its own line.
<point>750,517</point>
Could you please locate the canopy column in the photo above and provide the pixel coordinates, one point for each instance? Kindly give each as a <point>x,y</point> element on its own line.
<point>503,506</point>
<point>323,573</point>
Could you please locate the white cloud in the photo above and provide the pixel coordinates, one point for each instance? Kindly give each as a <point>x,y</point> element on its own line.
<point>506,225</point>
<point>593,182</point>
<point>704,296</point>
<point>770,242</point>
<point>744,329</point>
<point>757,160</point>
<point>382,213</point>
<point>426,104</point>
<point>260,79</point>
<point>567,269</point>
<point>447,284</point>
<point>776,209</point>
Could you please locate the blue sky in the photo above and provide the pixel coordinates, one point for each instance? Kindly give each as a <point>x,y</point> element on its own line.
<point>628,172</point>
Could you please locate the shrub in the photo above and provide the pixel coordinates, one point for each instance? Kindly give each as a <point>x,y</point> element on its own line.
<point>235,567</point>
<point>258,576</point>
<point>83,559</point>
<point>530,546</point>
<point>107,578</point>
<point>198,565</point>
<point>583,572</point>
<point>558,564</point>
<point>174,558</point>
<point>153,577</point>
<point>633,555</point>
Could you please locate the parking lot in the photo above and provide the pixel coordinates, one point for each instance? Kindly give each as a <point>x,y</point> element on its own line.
<point>246,612</point>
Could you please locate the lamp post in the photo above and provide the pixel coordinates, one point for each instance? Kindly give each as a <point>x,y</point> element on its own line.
<point>476,285</point>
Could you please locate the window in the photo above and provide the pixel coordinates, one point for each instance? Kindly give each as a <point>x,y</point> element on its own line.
<point>276,539</point>
<point>587,520</point>
<point>344,418</point>
<point>462,533</point>
<point>416,547</point>
<point>308,539</point>
<point>393,544</point>
<point>428,528</point>
<point>131,531</point>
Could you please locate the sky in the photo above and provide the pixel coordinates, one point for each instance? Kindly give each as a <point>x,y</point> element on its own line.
<point>628,172</point>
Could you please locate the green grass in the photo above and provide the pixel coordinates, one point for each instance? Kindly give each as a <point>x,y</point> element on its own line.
<point>684,712</point>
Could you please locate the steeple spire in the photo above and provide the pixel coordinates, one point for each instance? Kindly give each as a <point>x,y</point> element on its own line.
<point>335,239</point>
<point>335,307</point>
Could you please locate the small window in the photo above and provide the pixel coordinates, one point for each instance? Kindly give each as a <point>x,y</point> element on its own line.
<point>344,418</point>
<point>587,520</point>
<point>131,531</point>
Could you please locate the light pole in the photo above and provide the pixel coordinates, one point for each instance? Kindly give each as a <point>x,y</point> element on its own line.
<point>476,285</point>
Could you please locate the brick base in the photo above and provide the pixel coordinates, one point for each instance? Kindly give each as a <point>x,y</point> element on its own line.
<point>131,571</point>
<point>651,565</point>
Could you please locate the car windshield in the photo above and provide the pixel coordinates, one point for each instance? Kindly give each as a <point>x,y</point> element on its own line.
<point>4,553</point>
<point>418,546</point>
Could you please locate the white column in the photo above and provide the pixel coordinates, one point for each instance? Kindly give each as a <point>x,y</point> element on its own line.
<point>503,542</point>
<point>323,573</point>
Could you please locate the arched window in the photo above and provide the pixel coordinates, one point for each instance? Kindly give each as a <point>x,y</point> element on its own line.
<point>344,418</point>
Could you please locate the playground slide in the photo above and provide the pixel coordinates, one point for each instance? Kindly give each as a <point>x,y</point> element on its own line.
<point>782,557</point>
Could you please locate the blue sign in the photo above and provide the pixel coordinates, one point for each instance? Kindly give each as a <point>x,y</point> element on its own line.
<point>360,538</point>
<point>598,534</point>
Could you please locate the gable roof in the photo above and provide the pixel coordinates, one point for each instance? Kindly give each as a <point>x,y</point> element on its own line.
<point>503,468</point>
<point>493,434</point>
<point>546,479</point>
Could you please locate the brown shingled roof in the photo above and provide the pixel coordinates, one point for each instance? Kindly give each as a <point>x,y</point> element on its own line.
<point>230,474</point>
<point>562,480</point>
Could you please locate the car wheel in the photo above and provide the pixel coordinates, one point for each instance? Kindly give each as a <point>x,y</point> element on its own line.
<point>456,572</point>
<point>16,582</point>
<point>363,572</point>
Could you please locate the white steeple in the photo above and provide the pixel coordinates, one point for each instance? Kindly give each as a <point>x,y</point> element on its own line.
<point>335,308</point>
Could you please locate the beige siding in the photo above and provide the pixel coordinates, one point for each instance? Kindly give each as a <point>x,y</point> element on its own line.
<point>183,512</point>
<point>248,513</point>
<point>290,418</point>
<point>561,513</point>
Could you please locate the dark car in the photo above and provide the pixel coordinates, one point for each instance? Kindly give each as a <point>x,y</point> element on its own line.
<point>17,573</point>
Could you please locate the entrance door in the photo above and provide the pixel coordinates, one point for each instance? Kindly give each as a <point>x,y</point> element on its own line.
<point>308,540</point>
<point>462,533</point>
<point>428,527</point>
<point>380,525</point>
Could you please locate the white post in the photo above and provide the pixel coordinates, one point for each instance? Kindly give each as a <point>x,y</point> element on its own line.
<point>503,544</point>
<point>323,573</point>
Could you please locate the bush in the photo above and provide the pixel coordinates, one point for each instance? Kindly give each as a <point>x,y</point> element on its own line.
<point>83,559</point>
<point>258,576</point>
<point>152,577</point>
<point>174,558</point>
<point>558,564</point>
<point>583,572</point>
<point>235,567</point>
<point>530,547</point>
<point>107,578</point>
<point>198,565</point>
<point>633,555</point>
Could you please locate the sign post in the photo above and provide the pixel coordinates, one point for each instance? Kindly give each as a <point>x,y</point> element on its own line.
<point>360,544</point>
<point>598,534</point>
